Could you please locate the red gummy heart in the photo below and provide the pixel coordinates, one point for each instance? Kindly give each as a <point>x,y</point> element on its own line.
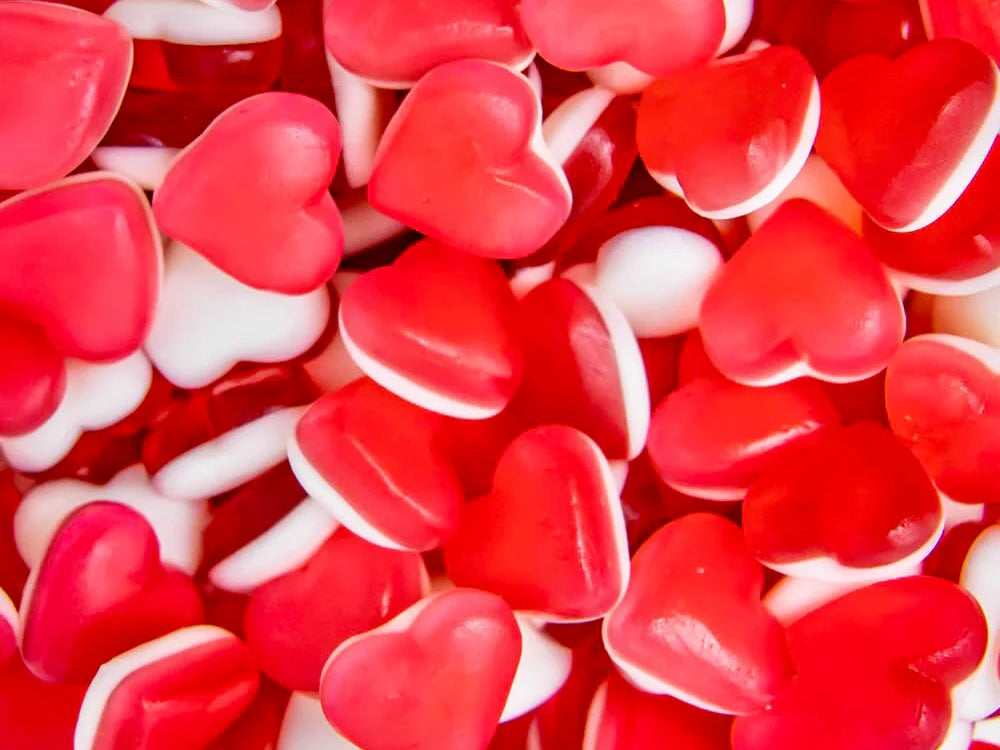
<point>33,380</point>
<point>395,43</point>
<point>439,328</point>
<point>712,438</point>
<point>975,21</point>
<point>282,234</point>
<point>82,260</point>
<point>376,463</point>
<point>293,623</point>
<point>873,670</point>
<point>699,633</point>
<point>434,678</point>
<point>64,73</point>
<point>181,690</point>
<point>36,715</point>
<point>845,505</point>
<point>583,368</point>
<point>732,135</point>
<point>494,190</point>
<point>943,398</point>
<point>658,37</point>
<point>100,590</point>
<point>554,507</point>
<point>776,313</point>
<point>940,101</point>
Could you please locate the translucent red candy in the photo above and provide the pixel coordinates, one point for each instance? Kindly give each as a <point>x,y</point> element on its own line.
<point>973,20</point>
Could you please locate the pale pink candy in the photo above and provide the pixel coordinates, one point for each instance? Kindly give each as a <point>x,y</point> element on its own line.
<point>306,728</point>
<point>362,120</point>
<point>973,316</point>
<point>144,165</point>
<point>568,123</point>
<point>333,367</point>
<point>542,670</point>
<point>194,22</point>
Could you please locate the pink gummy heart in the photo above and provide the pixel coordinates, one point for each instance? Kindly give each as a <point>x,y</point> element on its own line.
<point>846,505</point>
<point>733,134</point>
<point>943,398</point>
<point>394,43</point>
<point>692,624</point>
<point>33,380</point>
<point>64,72</point>
<point>494,190</point>
<point>658,37</point>
<point>554,507</point>
<point>100,590</point>
<point>776,312</point>
<point>294,623</point>
<point>874,669</point>
<point>434,678</point>
<point>281,234</point>
<point>712,438</point>
<point>181,690</point>
<point>376,463</point>
<point>940,100</point>
<point>439,328</point>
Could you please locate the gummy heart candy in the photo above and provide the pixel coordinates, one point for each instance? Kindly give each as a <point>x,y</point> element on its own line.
<point>283,234</point>
<point>776,313</point>
<point>973,20</point>
<point>942,393</point>
<point>100,590</point>
<point>36,714</point>
<point>185,689</point>
<point>438,328</point>
<point>495,190</point>
<point>853,503</point>
<point>394,44</point>
<point>64,73</point>
<point>943,101</point>
<point>33,382</point>
<point>699,634</point>
<point>304,727</point>
<point>730,136</point>
<point>294,622</point>
<point>438,674</point>
<point>553,507</point>
<point>377,465</point>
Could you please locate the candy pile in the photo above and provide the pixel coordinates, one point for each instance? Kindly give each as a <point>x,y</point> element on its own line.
<point>509,374</point>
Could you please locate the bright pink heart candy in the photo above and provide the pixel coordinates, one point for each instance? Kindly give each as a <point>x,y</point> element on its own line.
<point>295,622</point>
<point>852,504</point>
<point>394,43</point>
<point>436,677</point>
<point>378,465</point>
<point>554,507</point>
<point>283,234</point>
<point>699,633</point>
<point>438,328</point>
<point>874,670</point>
<point>495,190</point>
<point>658,37</point>
<point>975,21</point>
<point>730,136</point>
<point>33,380</point>
<point>36,715</point>
<point>181,690</point>
<point>943,397</point>
<point>64,73</point>
<point>583,368</point>
<point>100,590</point>
<point>712,438</point>
<point>81,259</point>
<point>776,313</point>
<point>943,100</point>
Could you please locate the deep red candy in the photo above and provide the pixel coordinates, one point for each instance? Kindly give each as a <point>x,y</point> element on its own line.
<point>232,69</point>
<point>975,21</point>
<point>36,715</point>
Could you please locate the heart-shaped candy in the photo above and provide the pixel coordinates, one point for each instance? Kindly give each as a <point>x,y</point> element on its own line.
<point>699,634</point>
<point>294,622</point>
<point>712,438</point>
<point>438,674</point>
<point>941,101</point>
<point>379,466</point>
<point>438,328</point>
<point>33,380</point>
<point>973,20</point>
<point>100,590</point>
<point>282,234</point>
<point>304,727</point>
<point>36,714</point>
<point>393,43</point>
<point>942,394</point>
<point>853,503</point>
<point>181,690</point>
<point>495,189</point>
<point>731,135</point>
<point>554,507</point>
<point>777,313</point>
<point>64,72</point>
